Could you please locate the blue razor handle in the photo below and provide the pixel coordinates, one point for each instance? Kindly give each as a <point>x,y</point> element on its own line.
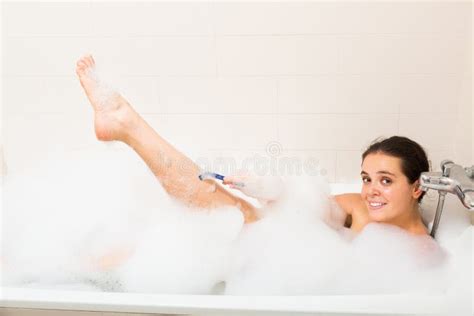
<point>213,175</point>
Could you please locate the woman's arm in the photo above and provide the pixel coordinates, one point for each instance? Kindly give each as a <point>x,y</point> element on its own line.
<point>268,189</point>
<point>341,209</point>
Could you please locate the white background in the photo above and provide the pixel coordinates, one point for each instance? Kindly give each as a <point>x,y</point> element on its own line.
<point>313,79</point>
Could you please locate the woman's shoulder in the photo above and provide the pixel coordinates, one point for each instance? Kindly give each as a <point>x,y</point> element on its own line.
<point>349,201</point>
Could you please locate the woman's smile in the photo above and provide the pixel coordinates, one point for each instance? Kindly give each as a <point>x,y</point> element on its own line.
<point>375,205</point>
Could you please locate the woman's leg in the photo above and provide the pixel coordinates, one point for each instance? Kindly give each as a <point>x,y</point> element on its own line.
<point>115,119</point>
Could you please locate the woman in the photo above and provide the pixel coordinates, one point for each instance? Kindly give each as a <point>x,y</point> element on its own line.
<point>390,193</point>
<point>390,169</point>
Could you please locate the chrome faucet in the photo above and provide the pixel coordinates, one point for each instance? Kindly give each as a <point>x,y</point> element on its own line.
<point>453,179</point>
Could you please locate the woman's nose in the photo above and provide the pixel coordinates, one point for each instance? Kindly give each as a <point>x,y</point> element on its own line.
<point>374,190</point>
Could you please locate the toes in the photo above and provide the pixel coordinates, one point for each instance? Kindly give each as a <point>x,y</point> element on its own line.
<point>93,61</point>
<point>80,66</point>
<point>89,60</point>
<point>86,61</point>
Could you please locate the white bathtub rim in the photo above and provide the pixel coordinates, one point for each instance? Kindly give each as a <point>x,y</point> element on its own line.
<point>182,304</point>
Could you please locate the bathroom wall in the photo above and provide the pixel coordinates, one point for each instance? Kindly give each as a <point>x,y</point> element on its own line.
<point>315,81</point>
<point>2,164</point>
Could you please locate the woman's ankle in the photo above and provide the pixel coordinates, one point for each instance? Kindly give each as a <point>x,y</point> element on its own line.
<point>132,127</point>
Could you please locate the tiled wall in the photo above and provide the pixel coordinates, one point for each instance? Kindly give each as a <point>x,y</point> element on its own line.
<point>312,79</point>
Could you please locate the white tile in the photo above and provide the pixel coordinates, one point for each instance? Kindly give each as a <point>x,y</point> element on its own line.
<point>334,131</point>
<point>315,94</point>
<point>402,54</point>
<point>277,55</point>
<point>221,131</point>
<point>307,162</point>
<point>46,56</point>
<point>368,94</point>
<point>30,137</point>
<point>348,166</point>
<point>46,19</point>
<point>338,94</point>
<point>47,128</point>
<point>433,131</point>
<point>217,95</point>
<point>44,95</point>
<point>137,56</point>
<point>463,151</point>
<point>275,18</point>
<point>464,140</point>
<point>341,17</point>
<point>150,18</point>
<point>404,17</point>
<point>428,93</point>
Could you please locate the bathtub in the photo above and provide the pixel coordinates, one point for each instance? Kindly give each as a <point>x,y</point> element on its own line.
<point>456,301</point>
<point>223,305</point>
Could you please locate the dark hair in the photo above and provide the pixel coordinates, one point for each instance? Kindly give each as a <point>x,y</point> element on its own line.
<point>412,155</point>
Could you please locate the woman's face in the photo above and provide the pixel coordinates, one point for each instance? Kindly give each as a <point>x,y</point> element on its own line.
<point>388,195</point>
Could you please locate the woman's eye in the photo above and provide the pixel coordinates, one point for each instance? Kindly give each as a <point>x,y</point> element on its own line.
<point>365,180</point>
<point>386,181</point>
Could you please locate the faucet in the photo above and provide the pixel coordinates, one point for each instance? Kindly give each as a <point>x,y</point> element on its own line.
<point>453,179</point>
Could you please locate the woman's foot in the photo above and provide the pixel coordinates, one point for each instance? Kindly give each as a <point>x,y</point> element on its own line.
<point>113,114</point>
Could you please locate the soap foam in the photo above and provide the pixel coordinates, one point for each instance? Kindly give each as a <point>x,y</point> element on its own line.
<point>83,206</point>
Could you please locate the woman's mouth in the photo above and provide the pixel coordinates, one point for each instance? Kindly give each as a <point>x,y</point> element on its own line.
<point>376,205</point>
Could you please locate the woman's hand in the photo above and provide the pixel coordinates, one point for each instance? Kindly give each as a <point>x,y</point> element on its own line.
<point>267,188</point>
